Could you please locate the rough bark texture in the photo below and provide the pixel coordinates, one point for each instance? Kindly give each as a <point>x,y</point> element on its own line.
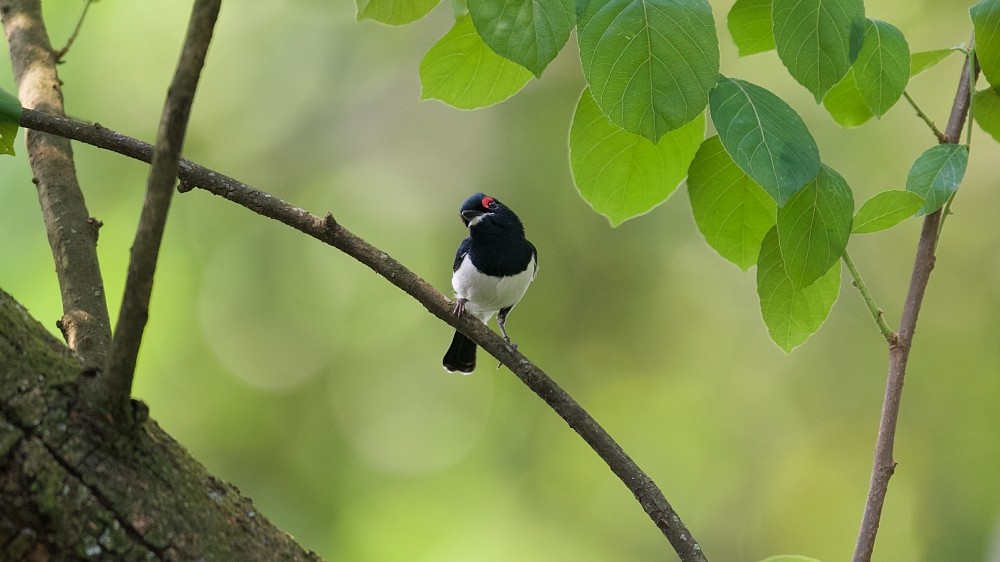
<point>74,487</point>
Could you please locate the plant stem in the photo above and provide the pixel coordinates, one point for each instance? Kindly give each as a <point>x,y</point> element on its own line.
<point>76,31</point>
<point>866,295</point>
<point>884,464</point>
<point>937,132</point>
<point>113,387</point>
<point>970,59</point>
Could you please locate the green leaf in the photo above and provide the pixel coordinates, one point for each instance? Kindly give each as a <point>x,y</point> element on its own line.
<point>885,210</point>
<point>925,60</point>
<point>813,227</point>
<point>936,175</point>
<point>10,118</point>
<point>462,71</point>
<point>528,32</point>
<point>845,104</point>
<point>394,12</point>
<point>883,66</point>
<point>749,24</point>
<point>818,40</point>
<point>733,213</point>
<point>791,313</point>
<point>986,22</point>
<point>623,175</point>
<point>986,110</point>
<point>649,63</point>
<point>765,137</point>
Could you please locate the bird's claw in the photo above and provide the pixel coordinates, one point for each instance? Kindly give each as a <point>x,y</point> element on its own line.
<point>511,346</point>
<point>460,307</point>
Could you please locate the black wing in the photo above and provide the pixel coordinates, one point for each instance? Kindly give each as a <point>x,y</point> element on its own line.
<point>463,249</point>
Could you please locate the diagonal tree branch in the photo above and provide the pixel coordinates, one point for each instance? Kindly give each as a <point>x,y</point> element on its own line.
<point>884,464</point>
<point>329,231</point>
<point>71,231</point>
<point>115,384</point>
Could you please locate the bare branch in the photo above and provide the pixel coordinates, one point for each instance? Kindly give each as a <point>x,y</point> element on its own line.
<point>72,36</point>
<point>329,231</point>
<point>116,383</point>
<point>884,464</point>
<point>71,231</point>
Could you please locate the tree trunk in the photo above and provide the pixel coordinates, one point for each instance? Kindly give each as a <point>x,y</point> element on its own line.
<point>73,486</point>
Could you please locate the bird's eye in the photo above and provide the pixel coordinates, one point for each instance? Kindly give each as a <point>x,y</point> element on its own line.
<point>489,203</point>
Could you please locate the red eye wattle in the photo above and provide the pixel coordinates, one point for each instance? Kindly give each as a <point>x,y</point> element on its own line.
<point>488,202</point>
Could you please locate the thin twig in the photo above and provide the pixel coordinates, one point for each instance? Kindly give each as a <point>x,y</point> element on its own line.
<point>971,112</point>
<point>329,231</point>
<point>930,123</point>
<point>866,295</point>
<point>116,382</point>
<point>72,36</point>
<point>71,231</point>
<point>884,464</point>
<point>945,213</point>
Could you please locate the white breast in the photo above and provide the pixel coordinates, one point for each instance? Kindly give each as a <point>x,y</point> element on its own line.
<point>487,295</point>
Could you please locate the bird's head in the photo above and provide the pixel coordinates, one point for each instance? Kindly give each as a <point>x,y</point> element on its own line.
<point>478,206</point>
<point>487,216</point>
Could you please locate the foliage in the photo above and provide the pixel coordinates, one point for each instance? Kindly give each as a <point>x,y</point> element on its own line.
<point>885,210</point>
<point>936,175</point>
<point>10,117</point>
<point>755,210</point>
<point>462,71</point>
<point>642,174</point>
<point>652,67</point>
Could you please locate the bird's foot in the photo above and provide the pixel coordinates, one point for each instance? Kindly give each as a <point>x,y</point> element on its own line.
<point>460,307</point>
<point>511,346</point>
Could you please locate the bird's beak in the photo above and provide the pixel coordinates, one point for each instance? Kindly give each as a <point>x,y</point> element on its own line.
<point>470,216</point>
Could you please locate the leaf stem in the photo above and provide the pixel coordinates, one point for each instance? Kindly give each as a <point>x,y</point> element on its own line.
<point>72,36</point>
<point>973,64</point>
<point>862,287</point>
<point>930,123</point>
<point>945,211</point>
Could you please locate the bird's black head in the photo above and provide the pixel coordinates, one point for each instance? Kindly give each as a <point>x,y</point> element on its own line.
<point>477,206</point>
<point>482,209</point>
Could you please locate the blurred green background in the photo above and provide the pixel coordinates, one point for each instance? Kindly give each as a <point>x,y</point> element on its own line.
<point>316,387</point>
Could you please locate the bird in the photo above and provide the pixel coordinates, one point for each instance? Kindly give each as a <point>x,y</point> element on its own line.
<point>492,270</point>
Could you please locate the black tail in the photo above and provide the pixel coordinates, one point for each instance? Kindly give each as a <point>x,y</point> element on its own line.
<point>461,356</point>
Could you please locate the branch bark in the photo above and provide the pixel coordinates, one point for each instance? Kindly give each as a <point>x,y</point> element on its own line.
<point>115,384</point>
<point>71,231</point>
<point>74,486</point>
<point>328,230</point>
<point>884,464</point>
